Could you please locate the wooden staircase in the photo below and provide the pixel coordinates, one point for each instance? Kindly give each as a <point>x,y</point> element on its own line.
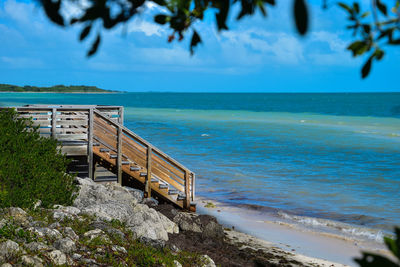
<point>128,155</point>
<point>97,133</point>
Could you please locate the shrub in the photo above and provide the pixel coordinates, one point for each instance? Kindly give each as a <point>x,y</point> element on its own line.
<point>32,168</point>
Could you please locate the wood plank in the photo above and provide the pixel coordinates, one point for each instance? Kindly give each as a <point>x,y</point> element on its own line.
<point>148,176</point>
<point>72,122</point>
<point>74,150</point>
<point>90,146</point>
<point>136,176</point>
<point>119,155</point>
<point>71,136</point>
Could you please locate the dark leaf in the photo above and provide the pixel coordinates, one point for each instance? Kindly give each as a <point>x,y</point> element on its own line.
<point>222,15</point>
<point>301,16</point>
<point>364,73</point>
<point>367,28</point>
<point>379,55</point>
<point>73,21</point>
<point>346,7</point>
<point>95,46</point>
<point>194,42</point>
<point>52,10</point>
<point>374,260</point>
<point>85,32</point>
<point>271,2</point>
<point>358,48</point>
<point>160,19</point>
<point>382,7</point>
<point>356,7</point>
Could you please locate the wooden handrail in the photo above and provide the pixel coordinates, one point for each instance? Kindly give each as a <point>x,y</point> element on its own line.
<point>144,142</point>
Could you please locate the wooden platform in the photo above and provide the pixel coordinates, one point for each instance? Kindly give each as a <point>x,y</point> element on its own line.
<point>103,149</point>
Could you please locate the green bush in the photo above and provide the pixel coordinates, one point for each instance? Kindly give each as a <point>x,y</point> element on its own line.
<point>32,168</point>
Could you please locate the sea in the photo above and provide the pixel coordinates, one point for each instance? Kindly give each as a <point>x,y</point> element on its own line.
<point>329,160</point>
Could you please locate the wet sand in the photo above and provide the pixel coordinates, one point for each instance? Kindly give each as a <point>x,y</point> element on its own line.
<point>305,244</point>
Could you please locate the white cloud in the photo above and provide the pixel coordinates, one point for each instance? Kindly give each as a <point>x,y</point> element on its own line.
<point>22,62</point>
<point>148,28</point>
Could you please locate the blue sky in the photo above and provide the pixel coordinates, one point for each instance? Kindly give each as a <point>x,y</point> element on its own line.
<point>256,55</point>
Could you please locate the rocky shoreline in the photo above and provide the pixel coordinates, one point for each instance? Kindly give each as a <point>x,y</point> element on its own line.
<point>110,225</point>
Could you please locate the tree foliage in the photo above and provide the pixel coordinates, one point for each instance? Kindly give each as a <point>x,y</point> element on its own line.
<point>375,260</point>
<point>32,168</point>
<point>55,88</point>
<point>181,16</point>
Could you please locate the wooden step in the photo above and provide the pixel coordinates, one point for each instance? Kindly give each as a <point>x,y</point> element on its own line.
<point>104,149</point>
<point>135,168</point>
<point>173,192</point>
<point>125,162</point>
<point>113,156</point>
<point>163,186</point>
<point>143,174</point>
<point>154,180</point>
<point>96,144</point>
<point>181,197</point>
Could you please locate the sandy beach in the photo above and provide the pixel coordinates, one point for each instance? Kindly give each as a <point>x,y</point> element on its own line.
<point>312,248</point>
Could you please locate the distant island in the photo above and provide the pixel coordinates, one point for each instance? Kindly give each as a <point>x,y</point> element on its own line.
<point>53,89</point>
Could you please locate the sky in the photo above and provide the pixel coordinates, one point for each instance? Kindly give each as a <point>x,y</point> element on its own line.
<point>257,54</point>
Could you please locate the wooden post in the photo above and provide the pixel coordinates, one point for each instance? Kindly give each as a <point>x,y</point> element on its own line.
<point>121,115</point>
<point>193,185</point>
<point>90,144</point>
<point>53,122</point>
<point>187,189</point>
<point>119,154</point>
<point>147,189</point>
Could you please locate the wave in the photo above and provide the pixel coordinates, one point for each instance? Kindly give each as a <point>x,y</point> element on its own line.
<point>334,227</point>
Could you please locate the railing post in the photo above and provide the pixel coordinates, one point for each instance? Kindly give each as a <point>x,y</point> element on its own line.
<point>187,190</point>
<point>53,122</point>
<point>193,185</point>
<point>121,115</point>
<point>147,189</point>
<point>119,154</point>
<point>90,144</point>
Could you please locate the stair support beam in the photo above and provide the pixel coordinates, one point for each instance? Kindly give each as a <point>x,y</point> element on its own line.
<point>119,154</point>
<point>147,189</point>
<point>90,145</point>
<point>187,189</point>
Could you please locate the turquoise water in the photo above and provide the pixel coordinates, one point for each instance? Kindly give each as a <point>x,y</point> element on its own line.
<point>329,156</point>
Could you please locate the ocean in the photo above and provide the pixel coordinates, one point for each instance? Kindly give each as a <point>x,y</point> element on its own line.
<point>330,159</point>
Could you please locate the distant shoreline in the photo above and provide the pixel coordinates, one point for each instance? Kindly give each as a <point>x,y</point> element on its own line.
<point>115,92</point>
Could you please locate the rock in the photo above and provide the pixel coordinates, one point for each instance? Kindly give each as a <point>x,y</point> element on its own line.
<point>155,243</point>
<point>118,249</point>
<point>8,249</point>
<point>31,261</point>
<point>177,263</point>
<point>61,213</point>
<point>109,211</point>
<point>136,193</point>
<point>18,215</point>
<point>55,225</point>
<point>205,224</point>
<point>207,261</point>
<point>37,247</point>
<point>65,245</point>
<point>6,265</point>
<point>37,204</point>
<point>57,257</point>
<point>111,201</point>
<point>108,229</point>
<point>3,222</point>
<point>147,222</point>
<point>93,233</point>
<point>46,232</point>
<point>97,233</point>
<point>76,256</point>
<point>69,232</point>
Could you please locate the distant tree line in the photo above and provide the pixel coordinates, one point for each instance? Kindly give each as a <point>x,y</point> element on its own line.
<point>56,88</point>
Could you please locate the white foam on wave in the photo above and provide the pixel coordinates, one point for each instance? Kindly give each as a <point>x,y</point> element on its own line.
<point>205,134</point>
<point>335,227</point>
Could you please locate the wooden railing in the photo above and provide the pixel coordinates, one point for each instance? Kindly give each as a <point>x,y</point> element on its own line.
<point>80,127</point>
<point>129,146</point>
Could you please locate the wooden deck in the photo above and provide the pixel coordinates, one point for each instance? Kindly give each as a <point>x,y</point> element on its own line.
<point>97,140</point>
